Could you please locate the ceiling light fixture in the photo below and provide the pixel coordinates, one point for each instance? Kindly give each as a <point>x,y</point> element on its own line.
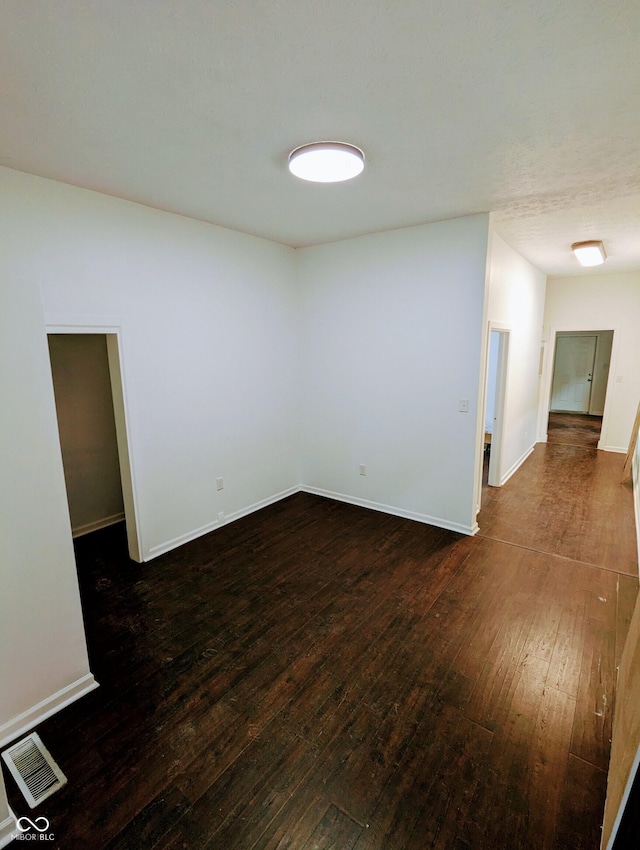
<point>326,162</point>
<point>589,253</point>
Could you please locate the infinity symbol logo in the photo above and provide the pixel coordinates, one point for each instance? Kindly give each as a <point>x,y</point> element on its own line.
<point>33,824</point>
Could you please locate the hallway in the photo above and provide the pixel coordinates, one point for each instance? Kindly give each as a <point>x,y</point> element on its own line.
<point>321,675</point>
<point>574,429</point>
<point>567,501</point>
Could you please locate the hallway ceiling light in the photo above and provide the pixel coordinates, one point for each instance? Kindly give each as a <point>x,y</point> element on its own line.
<point>326,162</point>
<point>589,253</point>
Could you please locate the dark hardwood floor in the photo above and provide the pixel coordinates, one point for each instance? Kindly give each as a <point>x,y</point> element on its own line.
<point>574,429</point>
<point>321,676</point>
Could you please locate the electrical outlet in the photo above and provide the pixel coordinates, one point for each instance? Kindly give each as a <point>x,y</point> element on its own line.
<point>463,405</point>
<point>362,469</point>
<point>220,517</point>
<point>219,483</point>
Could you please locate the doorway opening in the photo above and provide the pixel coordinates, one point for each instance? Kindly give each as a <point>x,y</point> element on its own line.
<point>87,381</point>
<point>495,397</point>
<point>579,381</point>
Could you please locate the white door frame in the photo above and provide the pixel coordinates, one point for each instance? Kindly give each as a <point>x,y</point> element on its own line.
<point>8,822</point>
<point>495,454</point>
<point>547,380</point>
<point>574,336</point>
<point>495,462</point>
<point>112,328</point>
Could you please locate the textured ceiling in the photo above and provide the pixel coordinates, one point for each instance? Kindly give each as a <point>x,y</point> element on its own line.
<point>527,109</point>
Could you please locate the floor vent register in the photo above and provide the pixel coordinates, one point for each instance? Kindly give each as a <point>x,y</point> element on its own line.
<point>34,770</point>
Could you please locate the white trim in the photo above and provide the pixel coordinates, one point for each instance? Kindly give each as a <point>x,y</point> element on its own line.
<point>516,466</point>
<point>547,379</point>
<point>161,548</point>
<point>8,829</point>
<point>500,409</point>
<point>394,511</point>
<point>124,440</point>
<point>169,545</point>
<point>63,323</point>
<point>619,449</point>
<point>25,722</point>
<point>541,422</point>
<point>8,824</point>
<point>97,524</point>
<point>114,329</point>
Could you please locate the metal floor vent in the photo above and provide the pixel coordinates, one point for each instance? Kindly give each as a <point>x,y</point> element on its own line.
<point>33,768</point>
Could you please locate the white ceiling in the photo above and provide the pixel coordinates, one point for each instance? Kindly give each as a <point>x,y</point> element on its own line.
<point>530,109</point>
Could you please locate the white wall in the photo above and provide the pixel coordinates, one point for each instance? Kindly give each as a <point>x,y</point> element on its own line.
<point>516,297</point>
<point>391,334</point>
<point>208,348</point>
<point>234,353</point>
<point>601,368</point>
<point>43,655</point>
<point>86,423</point>
<point>208,344</point>
<point>602,302</point>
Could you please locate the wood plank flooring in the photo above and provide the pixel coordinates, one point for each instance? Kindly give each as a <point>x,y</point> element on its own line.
<point>574,429</point>
<point>321,676</point>
<point>569,501</point>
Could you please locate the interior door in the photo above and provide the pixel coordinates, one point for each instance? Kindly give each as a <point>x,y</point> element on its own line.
<point>573,373</point>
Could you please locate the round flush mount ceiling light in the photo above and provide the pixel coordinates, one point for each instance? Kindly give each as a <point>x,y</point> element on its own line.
<point>326,162</point>
<point>590,253</point>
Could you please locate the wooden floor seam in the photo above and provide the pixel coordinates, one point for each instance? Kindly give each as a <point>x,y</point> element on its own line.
<point>555,555</point>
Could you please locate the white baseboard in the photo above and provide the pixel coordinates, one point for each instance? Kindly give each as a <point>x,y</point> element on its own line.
<point>516,466</point>
<point>88,527</point>
<point>28,720</point>
<point>169,545</point>
<point>8,830</point>
<point>161,548</point>
<point>469,530</point>
<point>619,449</point>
